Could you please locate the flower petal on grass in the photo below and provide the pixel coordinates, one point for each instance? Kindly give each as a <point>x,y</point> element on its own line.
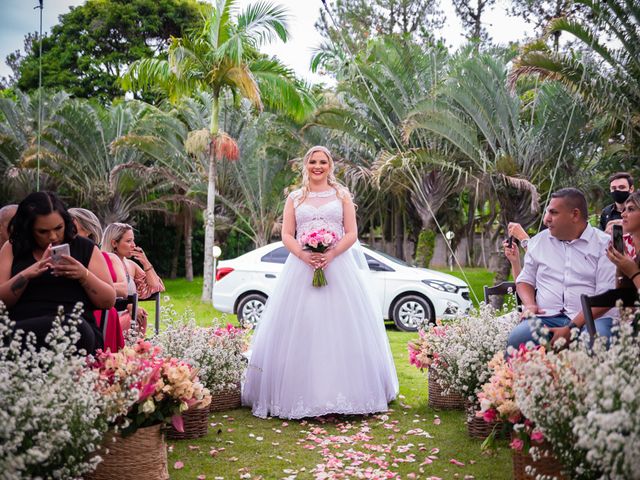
<point>178,465</point>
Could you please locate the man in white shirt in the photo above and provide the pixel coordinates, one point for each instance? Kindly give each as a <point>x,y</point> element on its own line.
<point>561,263</point>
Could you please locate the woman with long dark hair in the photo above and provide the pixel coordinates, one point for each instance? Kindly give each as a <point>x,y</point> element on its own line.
<point>33,286</point>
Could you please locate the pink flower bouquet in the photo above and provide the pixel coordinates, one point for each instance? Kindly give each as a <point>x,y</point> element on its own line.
<point>165,386</point>
<point>498,398</point>
<point>318,241</point>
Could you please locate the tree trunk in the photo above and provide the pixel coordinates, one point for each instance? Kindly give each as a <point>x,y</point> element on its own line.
<point>399,232</point>
<point>176,250</point>
<point>503,269</point>
<point>209,216</point>
<point>188,244</point>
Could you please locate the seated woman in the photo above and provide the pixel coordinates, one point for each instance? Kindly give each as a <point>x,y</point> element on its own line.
<point>628,264</point>
<point>119,239</point>
<point>88,226</point>
<point>33,286</point>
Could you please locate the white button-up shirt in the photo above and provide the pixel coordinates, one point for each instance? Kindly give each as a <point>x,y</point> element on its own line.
<point>561,271</point>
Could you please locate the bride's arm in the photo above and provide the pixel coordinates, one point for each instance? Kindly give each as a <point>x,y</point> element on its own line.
<point>350,232</point>
<point>289,232</point>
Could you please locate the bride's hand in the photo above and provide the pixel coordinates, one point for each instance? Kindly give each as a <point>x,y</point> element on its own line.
<point>310,258</point>
<point>326,258</point>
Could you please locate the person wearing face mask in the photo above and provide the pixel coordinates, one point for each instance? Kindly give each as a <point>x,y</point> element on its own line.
<point>620,186</point>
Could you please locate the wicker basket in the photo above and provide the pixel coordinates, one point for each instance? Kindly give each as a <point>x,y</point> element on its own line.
<point>547,465</point>
<point>452,401</point>
<point>227,400</point>
<point>142,454</point>
<point>196,423</point>
<point>477,427</point>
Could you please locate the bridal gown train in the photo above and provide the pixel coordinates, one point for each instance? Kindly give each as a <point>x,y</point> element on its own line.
<point>320,350</point>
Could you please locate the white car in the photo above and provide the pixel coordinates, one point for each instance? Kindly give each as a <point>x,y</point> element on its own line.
<point>408,295</point>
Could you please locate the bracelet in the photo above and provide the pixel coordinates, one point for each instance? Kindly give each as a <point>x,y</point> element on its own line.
<point>634,275</point>
<point>147,269</point>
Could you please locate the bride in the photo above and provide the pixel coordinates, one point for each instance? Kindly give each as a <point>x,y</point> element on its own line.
<point>320,350</point>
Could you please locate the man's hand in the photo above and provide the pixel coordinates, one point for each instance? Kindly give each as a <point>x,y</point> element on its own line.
<point>528,310</point>
<point>560,332</point>
<point>515,230</point>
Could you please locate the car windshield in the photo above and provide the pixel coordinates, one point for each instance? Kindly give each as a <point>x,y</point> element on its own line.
<point>389,257</point>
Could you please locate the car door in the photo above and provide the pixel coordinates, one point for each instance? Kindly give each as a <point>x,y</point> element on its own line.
<point>379,273</point>
<point>271,266</point>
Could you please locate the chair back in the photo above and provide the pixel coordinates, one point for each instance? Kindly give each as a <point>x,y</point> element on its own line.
<point>503,288</point>
<point>629,297</point>
<point>155,297</point>
<point>123,302</point>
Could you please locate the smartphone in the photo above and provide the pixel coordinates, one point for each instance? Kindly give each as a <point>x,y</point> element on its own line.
<point>58,251</point>
<point>510,241</point>
<point>616,238</point>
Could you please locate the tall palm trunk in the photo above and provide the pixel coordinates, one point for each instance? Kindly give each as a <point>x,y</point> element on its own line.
<point>188,244</point>
<point>177,241</point>
<point>209,230</point>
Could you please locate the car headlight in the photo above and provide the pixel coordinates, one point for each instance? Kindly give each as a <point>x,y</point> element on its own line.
<point>442,286</point>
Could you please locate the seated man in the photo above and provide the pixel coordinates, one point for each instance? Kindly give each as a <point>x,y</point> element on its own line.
<point>561,263</point>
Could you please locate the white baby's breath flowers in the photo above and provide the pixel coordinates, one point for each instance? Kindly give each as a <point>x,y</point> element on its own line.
<point>586,401</point>
<point>470,342</point>
<point>51,415</point>
<point>218,358</point>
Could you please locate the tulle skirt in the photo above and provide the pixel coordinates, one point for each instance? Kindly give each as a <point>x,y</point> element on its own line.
<point>320,350</point>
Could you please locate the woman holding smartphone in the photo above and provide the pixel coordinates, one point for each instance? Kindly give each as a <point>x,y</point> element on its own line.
<point>628,263</point>
<point>141,278</point>
<point>33,285</point>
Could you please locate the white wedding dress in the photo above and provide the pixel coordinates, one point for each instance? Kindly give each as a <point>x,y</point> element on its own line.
<point>320,350</point>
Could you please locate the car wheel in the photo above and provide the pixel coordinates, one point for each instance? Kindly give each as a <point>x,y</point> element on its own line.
<point>412,312</point>
<point>250,309</point>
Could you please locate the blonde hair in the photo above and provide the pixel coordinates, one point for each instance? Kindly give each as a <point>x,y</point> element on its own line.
<point>341,191</point>
<point>113,233</point>
<point>89,222</point>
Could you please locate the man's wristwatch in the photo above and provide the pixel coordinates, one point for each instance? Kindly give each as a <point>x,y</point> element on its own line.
<point>572,325</point>
<point>524,243</point>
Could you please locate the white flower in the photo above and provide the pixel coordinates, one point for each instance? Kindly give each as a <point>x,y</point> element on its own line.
<point>148,406</point>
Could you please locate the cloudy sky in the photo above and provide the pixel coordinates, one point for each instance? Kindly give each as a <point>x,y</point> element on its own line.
<point>19,17</point>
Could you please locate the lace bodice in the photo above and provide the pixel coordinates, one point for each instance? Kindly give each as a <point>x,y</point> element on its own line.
<point>319,210</point>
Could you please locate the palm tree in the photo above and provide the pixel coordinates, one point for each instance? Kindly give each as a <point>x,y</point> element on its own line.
<point>223,57</point>
<point>254,188</point>
<point>478,114</point>
<point>77,154</point>
<point>18,132</point>
<point>161,136</point>
<point>607,73</point>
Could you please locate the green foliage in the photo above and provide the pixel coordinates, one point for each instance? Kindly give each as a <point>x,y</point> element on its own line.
<point>359,21</point>
<point>425,247</point>
<point>87,51</point>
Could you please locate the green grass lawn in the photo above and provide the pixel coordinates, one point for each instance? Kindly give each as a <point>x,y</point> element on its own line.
<point>239,445</point>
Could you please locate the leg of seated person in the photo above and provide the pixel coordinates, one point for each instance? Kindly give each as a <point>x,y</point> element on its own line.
<point>524,331</point>
<point>603,328</point>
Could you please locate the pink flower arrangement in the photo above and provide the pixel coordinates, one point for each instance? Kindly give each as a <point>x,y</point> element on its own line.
<point>498,398</point>
<point>423,352</point>
<point>318,241</point>
<point>165,386</point>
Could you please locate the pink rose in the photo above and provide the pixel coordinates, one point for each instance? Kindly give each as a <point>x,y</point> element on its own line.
<point>489,415</point>
<point>537,436</point>
<point>516,444</point>
<point>313,243</point>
